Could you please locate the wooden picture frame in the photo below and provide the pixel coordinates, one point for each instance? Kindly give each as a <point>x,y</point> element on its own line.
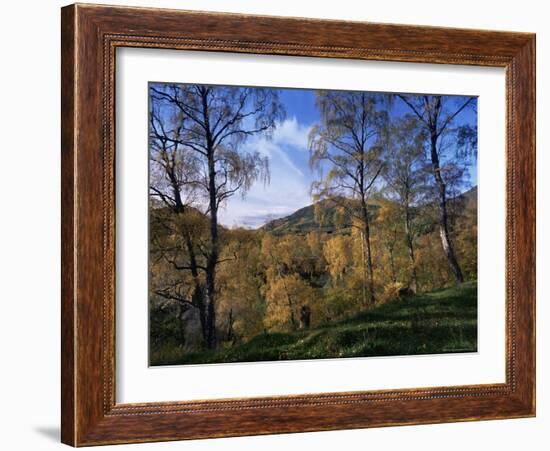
<point>90,36</point>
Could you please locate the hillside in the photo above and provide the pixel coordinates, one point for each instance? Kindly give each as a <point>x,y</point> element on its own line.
<point>319,216</point>
<point>302,220</point>
<point>307,219</point>
<point>444,321</point>
<point>466,199</point>
<point>470,195</point>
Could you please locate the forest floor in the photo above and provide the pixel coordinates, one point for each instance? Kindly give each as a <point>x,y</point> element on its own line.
<point>443,321</point>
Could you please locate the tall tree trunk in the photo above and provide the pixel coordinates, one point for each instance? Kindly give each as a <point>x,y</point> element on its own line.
<point>392,263</point>
<point>197,297</point>
<point>364,270</point>
<point>443,217</point>
<point>180,315</point>
<point>410,245</point>
<point>202,313</point>
<point>365,215</point>
<point>212,259</point>
<point>211,263</point>
<point>211,338</point>
<point>230,334</point>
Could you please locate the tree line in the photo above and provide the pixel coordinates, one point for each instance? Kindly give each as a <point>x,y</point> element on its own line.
<point>389,183</point>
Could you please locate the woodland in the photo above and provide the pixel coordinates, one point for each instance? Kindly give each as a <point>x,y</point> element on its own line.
<point>383,261</point>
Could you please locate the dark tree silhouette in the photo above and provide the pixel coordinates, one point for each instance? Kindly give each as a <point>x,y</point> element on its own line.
<point>209,126</point>
<point>172,176</point>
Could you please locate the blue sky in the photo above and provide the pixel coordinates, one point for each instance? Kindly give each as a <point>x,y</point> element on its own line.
<point>291,176</point>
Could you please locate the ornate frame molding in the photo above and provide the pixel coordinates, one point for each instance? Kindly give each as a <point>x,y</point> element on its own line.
<point>90,36</point>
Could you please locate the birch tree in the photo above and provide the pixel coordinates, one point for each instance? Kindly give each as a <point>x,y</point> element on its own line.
<point>406,179</point>
<point>211,127</point>
<point>347,146</point>
<point>438,114</point>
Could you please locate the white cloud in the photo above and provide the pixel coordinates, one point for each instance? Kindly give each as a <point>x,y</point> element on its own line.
<point>288,134</point>
<point>290,182</point>
<point>274,152</point>
<point>291,132</point>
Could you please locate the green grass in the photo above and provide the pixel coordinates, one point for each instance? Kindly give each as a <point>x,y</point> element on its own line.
<point>442,321</point>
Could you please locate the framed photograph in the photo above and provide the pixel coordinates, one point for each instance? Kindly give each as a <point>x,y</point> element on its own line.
<point>279,225</point>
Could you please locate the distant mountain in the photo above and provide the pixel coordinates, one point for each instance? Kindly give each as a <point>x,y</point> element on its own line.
<point>302,221</point>
<point>466,200</point>
<point>321,216</point>
<point>469,196</point>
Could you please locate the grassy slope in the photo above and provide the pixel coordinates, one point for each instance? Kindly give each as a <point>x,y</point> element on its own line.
<point>439,322</point>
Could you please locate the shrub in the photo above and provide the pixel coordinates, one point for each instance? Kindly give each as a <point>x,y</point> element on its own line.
<point>392,292</point>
